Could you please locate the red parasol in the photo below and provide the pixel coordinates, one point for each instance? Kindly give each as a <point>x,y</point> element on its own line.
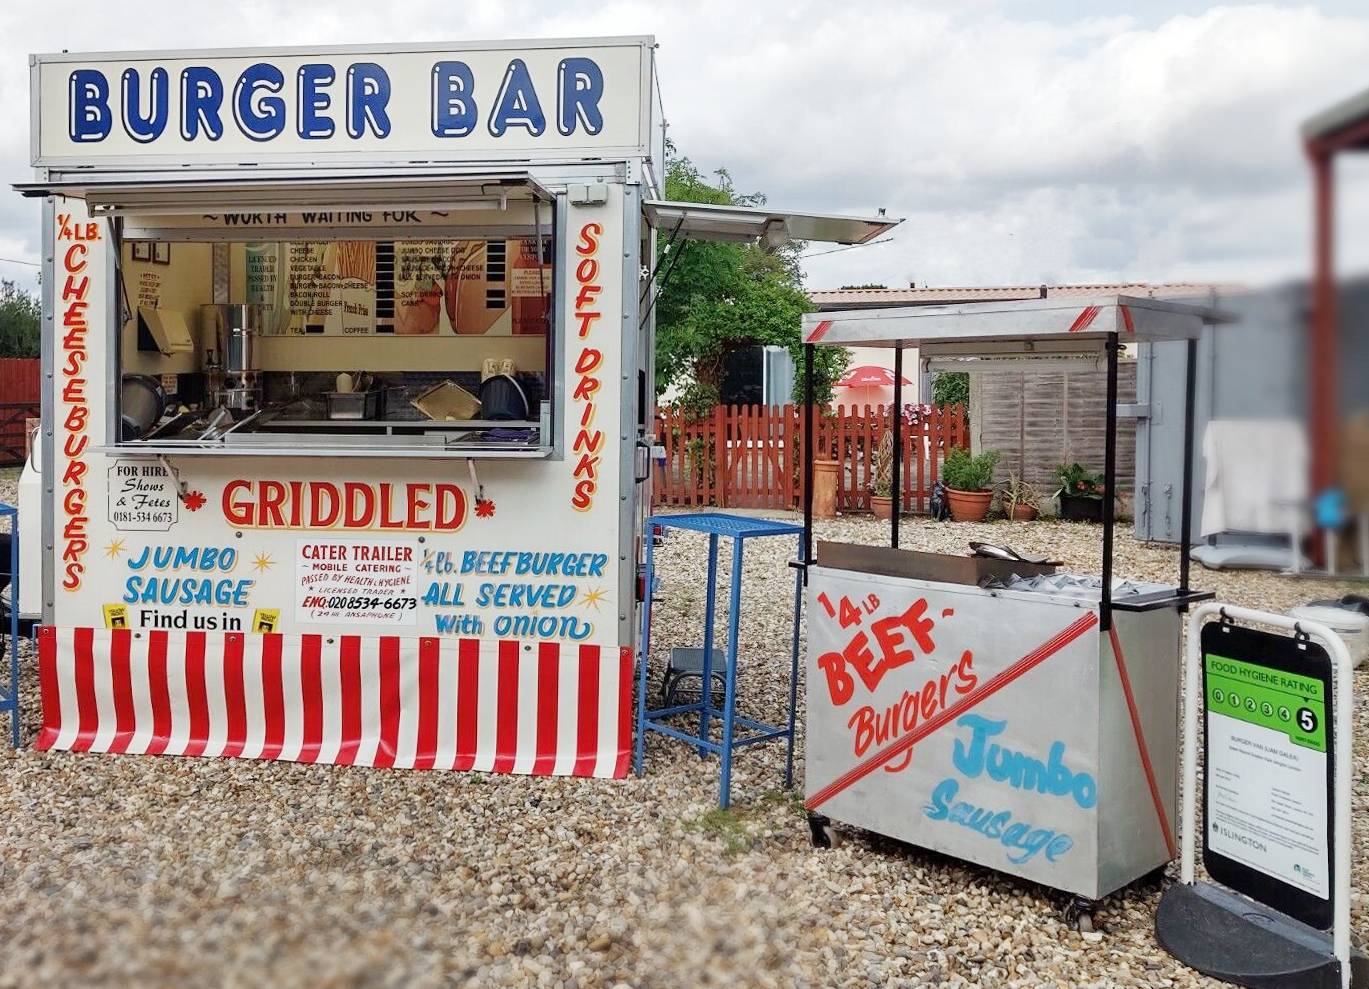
<point>868,376</point>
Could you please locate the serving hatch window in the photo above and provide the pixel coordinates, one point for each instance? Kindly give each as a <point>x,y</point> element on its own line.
<point>350,342</point>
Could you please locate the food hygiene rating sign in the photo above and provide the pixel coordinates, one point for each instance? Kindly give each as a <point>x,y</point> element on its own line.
<point>1267,771</point>
<point>474,104</point>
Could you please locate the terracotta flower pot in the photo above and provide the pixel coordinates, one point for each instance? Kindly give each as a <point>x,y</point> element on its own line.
<point>882,506</point>
<point>1024,513</point>
<point>969,506</point>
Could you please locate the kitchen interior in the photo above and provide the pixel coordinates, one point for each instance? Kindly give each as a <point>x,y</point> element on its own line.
<point>331,345</point>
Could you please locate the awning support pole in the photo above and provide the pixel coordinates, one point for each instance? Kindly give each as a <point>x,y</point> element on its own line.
<point>897,488</point>
<point>665,280</point>
<point>806,451</point>
<point>1186,507</point>
<point>1109,482</point>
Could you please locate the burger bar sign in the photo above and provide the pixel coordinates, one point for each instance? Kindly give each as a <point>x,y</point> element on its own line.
<point>477,103</point>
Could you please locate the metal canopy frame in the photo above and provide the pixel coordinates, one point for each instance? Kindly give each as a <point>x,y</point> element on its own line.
<point>161,197</point>
<point>1008,330</point>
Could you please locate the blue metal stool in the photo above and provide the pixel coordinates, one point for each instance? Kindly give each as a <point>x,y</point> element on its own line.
<point>718,524</point>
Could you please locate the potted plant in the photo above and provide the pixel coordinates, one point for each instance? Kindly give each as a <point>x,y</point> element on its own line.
<point>1081,493</point>
<point>969,483</point>
<point>882,486</point>
<point>1021,502</point>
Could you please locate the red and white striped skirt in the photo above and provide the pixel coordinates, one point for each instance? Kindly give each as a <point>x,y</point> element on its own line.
<point>421,703</point>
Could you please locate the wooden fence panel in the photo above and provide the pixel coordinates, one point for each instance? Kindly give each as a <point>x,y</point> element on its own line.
<point>749,456</point>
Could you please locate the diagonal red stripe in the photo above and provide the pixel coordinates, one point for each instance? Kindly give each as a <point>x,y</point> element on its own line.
<point>819,331</point>
<point>1126,319</point>
<point>1086,316</point>
<point>1141,743</point>
<point>991,686</point>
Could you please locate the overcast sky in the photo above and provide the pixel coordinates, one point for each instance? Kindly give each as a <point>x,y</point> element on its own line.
<point>1024,140</point>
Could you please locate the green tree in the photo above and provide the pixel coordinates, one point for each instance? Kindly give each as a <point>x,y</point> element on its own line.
<point>951,388</point>
<point>20,321</point>
<point>722,297</point>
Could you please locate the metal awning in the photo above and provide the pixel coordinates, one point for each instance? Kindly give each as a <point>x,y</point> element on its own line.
<point>1343,126</point>
<point>159,197</point>
<point>706,221</point>
<point>1055,326</point>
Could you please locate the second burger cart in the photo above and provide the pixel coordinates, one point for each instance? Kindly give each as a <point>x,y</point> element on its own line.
<point>1004,713</point>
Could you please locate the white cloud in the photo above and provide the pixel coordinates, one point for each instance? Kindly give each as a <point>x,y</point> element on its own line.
<point>1020,149</point>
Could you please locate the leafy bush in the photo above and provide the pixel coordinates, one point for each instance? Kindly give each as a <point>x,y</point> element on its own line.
<point>964,471</point>
<point>951,388</point>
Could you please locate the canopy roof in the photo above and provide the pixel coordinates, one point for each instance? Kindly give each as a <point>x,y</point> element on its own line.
<point>706,221</point>
<point>161,196</point>
<point>1059,326</point>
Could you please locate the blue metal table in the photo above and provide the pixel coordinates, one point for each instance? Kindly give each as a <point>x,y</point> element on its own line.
<point>717,525</point>
<point>9,700</point>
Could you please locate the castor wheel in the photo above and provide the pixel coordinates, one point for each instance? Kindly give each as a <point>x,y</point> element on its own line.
<point>1079,914</point>
<point>820,832</point>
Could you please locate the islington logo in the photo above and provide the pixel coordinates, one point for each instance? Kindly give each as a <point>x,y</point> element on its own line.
<point>317,101</point>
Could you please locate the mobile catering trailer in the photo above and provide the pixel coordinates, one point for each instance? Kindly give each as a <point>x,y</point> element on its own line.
<point>347,355</point>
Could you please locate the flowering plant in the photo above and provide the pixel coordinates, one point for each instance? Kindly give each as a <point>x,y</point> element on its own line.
<point>1076,481</point>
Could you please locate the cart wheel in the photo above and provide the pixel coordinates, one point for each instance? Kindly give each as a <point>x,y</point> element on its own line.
<point>820,832</point>
<point>1079,914</point>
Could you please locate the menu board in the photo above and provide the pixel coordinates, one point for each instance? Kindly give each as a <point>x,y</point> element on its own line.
<point>485,287</point>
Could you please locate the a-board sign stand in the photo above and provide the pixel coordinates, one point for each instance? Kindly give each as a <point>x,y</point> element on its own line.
<point>1276,801</point>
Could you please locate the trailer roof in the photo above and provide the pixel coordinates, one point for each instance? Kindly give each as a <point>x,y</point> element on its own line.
<point>1014,326</point>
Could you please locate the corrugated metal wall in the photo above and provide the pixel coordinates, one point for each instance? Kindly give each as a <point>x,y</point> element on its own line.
<point>1039,419</point>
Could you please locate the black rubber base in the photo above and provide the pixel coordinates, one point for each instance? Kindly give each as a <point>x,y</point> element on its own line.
<point>1237,940</point>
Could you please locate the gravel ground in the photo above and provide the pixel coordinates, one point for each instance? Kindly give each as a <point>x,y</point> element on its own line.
<point>160,871</point>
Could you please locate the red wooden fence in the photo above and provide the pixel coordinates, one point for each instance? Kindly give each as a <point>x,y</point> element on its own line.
<point>20,381</point>
<point>748,456</point>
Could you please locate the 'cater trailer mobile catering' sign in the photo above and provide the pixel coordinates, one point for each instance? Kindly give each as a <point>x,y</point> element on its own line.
<point>477,103</point>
